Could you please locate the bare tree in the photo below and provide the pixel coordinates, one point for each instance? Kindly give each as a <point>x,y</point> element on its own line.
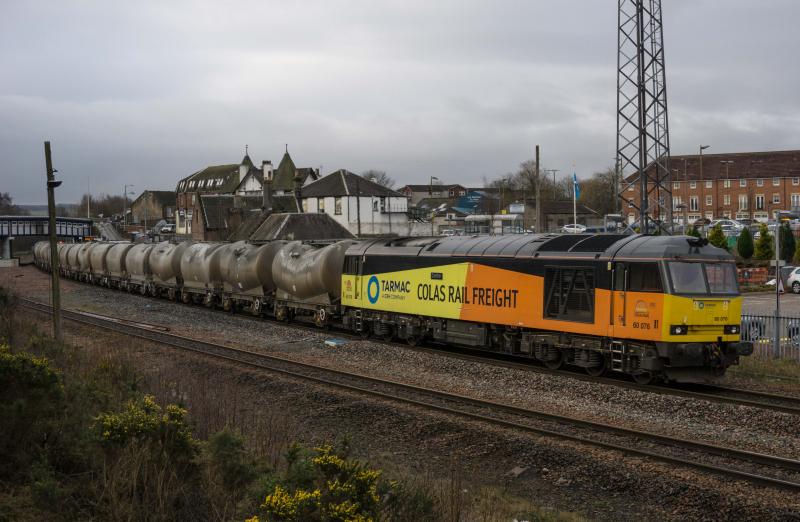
<point>599,192</point>
<point>378,176</point>
<point>8,207</point>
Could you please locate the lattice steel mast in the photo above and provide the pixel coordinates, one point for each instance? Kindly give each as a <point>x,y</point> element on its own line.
<point>642,124</point>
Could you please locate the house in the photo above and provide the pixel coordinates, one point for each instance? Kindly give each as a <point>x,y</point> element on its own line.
<point>416,193</point>
<point>361,206</point>
<point>152,206</point>
<point>213,202</point>
<point>742,185</point>
<point>556,214</point>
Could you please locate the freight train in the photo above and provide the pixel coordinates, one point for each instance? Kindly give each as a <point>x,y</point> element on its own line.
<point>652,307</point>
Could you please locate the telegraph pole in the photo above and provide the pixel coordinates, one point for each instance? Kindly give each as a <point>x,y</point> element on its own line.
<point>54,269</point>
<point>538,196</point>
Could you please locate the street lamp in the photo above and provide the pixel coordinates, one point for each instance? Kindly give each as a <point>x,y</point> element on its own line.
<point>125,194</point>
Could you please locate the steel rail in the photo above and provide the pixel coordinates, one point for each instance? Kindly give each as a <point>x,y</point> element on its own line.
<point>259,360</point>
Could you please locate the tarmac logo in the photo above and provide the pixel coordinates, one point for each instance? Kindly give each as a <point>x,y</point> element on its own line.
<point>373,289</point>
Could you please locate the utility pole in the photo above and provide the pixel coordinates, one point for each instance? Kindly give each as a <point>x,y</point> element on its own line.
<point>54,268</point>
<point>358,205</point>
<point>538,195</point>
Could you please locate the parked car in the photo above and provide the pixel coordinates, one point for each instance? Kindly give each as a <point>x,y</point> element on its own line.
<point>726,225</point>
<point>573,228</point>
<point>793,281</point>
<point>168,229</point>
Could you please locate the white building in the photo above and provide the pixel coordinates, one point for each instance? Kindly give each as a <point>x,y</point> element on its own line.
<point>363,207</point>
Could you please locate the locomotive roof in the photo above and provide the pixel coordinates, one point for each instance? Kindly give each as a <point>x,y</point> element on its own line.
<point>593,246</point>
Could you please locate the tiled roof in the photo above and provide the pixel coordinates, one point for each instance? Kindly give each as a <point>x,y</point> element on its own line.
<point>300,227</point>
<point>766,164</point>
<point>345,183</point>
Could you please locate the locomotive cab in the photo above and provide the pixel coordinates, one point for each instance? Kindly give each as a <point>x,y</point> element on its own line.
<point>686,300</point>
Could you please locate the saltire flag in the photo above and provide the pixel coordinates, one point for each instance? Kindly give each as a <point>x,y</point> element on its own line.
<point>576,186</point>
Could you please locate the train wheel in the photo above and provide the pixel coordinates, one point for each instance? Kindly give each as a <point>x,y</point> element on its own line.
<point>365,333</point>
<point>597,371</point>
<point>555,364</point>
<point>643,378</point>
<point>389,335</point>
<point>413,340</point>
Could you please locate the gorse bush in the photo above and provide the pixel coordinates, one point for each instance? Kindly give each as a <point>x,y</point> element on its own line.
<point>341,489</point>
<point>32,401</point>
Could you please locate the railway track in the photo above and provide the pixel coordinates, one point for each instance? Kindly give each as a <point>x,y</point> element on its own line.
<point>707,392</point>
<point>732,463</point>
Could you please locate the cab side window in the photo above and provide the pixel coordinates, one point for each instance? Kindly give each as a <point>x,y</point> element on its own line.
<point>644,277</point>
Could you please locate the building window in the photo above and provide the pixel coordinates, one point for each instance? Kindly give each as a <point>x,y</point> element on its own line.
<point>692,185</point>
<point>726,183</point>
<point>776,198</point>
<point>693,205</point>
<point>742,201</point>
<point>383,205</point>
<point>708,184</point>
<point>374,205</point>
<point>795,200</point>
<point>193,196</point>
<point>760,182</point>
<point>676,185</point>
<point>321,205</point>
<point>795,181</point>
<point>630,203</point>
<point>742,182</point>
<point>630,188</point>
<point>760,202</point>
<point>676,202</point>
<point>776,182</point>
<point>708,200</point>
<point>337,206</point>
<point>726,199</point>
<point>726,214</point>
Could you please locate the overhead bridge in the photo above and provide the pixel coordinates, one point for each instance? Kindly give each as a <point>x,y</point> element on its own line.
<point>23,231</point>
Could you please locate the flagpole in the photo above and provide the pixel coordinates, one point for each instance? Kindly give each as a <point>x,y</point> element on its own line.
<point>575,198</point>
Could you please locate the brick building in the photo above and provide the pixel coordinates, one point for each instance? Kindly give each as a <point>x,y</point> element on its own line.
<point>152,206</point>
<point>747,185</point>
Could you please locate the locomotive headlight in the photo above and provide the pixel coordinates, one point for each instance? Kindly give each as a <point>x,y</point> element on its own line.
<point>731,329</point>
<point>678,329</point>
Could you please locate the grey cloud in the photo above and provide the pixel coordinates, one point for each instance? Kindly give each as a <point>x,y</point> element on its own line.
<point>147,92</point>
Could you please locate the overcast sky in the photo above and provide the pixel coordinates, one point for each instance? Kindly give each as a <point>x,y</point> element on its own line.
<point>147,92</point>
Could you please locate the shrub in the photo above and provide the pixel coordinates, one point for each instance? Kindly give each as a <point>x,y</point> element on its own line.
<point>33,395</point>
<point>744,244</point>
<point>341,490</point>
<point>764,249</point>
<point>717,237</point>
<point>694,231</point>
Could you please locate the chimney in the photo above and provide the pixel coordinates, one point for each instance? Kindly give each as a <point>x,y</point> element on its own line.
<point>266,169</point>
<point>298,186</point>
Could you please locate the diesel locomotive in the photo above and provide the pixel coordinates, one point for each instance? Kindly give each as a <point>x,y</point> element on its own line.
<point>652,307</point>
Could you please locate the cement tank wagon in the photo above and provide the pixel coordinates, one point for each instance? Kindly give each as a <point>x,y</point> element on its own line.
<point>247,269</point>
<point>84,266</point>
<point>97,259</point>
<point>303,272</point>
<point>115,261</point>
<point>200,267</point>
<point>137,263</point>
<point>165,262</point>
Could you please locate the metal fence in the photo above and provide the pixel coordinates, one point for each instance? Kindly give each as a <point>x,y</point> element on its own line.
<point>761,330</point>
